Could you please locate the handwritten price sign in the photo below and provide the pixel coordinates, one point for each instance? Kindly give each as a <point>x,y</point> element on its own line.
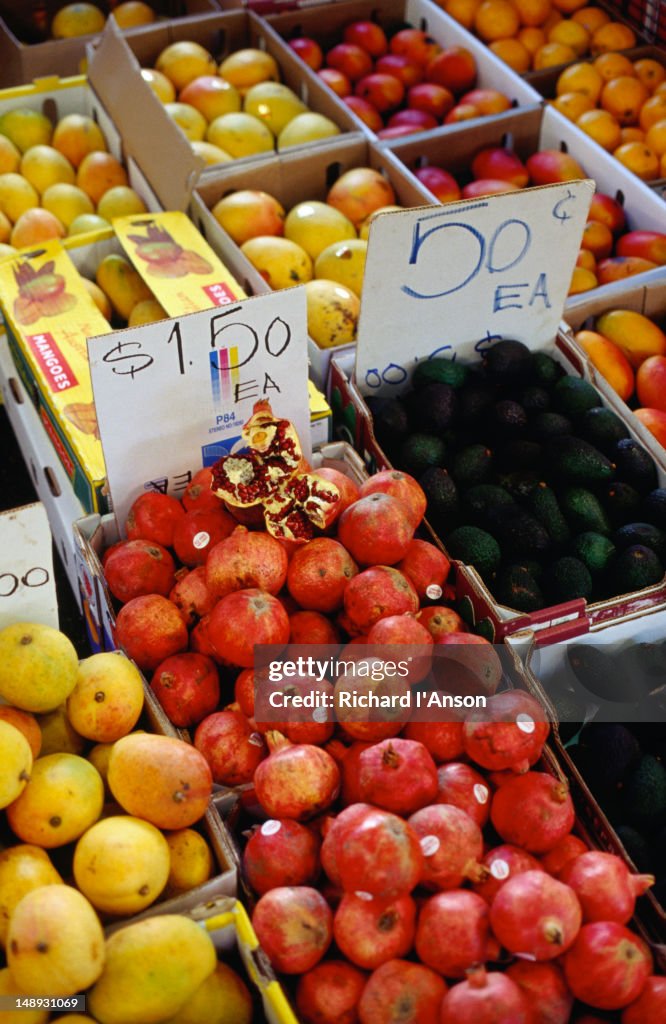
<point>27,584</point>
<point>174,395</point>
<point>449,280</point>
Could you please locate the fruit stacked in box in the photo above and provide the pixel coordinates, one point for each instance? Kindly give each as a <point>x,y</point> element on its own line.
<point>57,20</point>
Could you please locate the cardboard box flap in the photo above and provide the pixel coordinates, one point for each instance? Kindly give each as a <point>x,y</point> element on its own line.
<point>115,75</point>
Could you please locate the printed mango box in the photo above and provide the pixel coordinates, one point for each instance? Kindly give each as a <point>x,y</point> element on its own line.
<point>49,315</point>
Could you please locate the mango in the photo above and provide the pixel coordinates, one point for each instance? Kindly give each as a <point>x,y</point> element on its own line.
<point>635,334</point>
<point>58,734</point>
<point>22,869</point>
<point>650,245</point>
<point>121,284</point>
<point>107,700</point>
<point>16,763</point>
<point>64,797</point>
<point>153,967</point>
<point>38,666</point>
<point>651,383</point>
<point>609,360</point>
<point>222,999</point>
<point>8,987</point>
<point>616,268</point>
<point>655,421</point>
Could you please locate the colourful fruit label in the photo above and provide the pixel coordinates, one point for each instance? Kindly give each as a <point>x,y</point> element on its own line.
<point>176,262</point>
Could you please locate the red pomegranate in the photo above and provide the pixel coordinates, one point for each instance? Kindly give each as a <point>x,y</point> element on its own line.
<point>397,775</point>
<point>199,531</point>
<point>503,862</point>
<point>330,993</point>
<point>442,739</point>
<point>452,846</point>
<point>306,627</point>
<point>280,853</point>
<point>231,748</point>
<point>376,530</point>
<point>187,686</point>
<point>375,593</point>
<point>544,989</point>
<point>149,629</point>
<point>244,691</point>
<point>318,574</point>
<point>138,567</point>
<point>453,933</point>
<point>402,638</point>
<point>398,485</point>
<point>378,854</point>
<point>198,493</point>
<point>608,966</point>
<point>562,853</point>
<point>650,1007</point>
<point>485,999</point>
<point>334,832</point>
<point>294,925</point>
<point>371,931</point>
<point>200,641</point>
<point>298,724</point>
<point>466,664</point>
<point>191,595</point>
<point>348,762</point>
<point>154,516</point>
<point>439,620</point>
<point>245,560</point>
<point>508,733</point>
<point>427,567</point>
<point>534,811</point>
<point>604,885</point>
<point>399,992</point>
<point>296,780</point>
<point>459,784</point>
<point>243,619</point>
<point>535,915</point>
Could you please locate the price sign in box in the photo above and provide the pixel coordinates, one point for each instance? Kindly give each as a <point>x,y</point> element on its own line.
<point>27,583</point>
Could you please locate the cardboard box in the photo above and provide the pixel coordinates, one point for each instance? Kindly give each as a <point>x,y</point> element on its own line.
<point>28,53</point>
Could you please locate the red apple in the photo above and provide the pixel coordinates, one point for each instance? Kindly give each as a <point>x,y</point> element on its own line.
<point>408,71</point>
<point>351,60</point>
<point>442,184</point>
<point>366,111</point>
<point>454,68</point>
<point>336,80</point>
<point>422,121</point>
<point>308,50</point>
<point>368,35</point>
<point>488,101</point>
<point>608,211</point>
<point>499,163</point>
<point>552,165</point>
<point>415,44</point>
<point>434,99</point>
<point>384,91</point>
<point>487,187</point>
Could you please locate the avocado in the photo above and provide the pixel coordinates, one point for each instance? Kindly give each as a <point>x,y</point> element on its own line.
<point>602,427</point>
<point>516,587</point>
<point>551,424</point>
<point>573,396</point>
<point>475,547</point>
<point>543,503</point>
<point>576,461</point>
<point>583,511</point>
<point>434,407</point>
<point>653,507</point>
<point>518,532</point>
<point>641,533</point>
<point>419,451</point>
<point>594,550</point>
<point>478,501</point>
<point>614,745</point>
<point>621,502</point>
<point>637,848</point>
<point>508,418</point>
<point>518,454</point>
<point>635,465</point>
<point>544,369</point>
<point>635,568</point>
<point>442,495</point>
<point>472,465</point>
<point>390,420</point>
<point>533,567</point>
<point>474,398</point>
<point>519,483</point>
<point>534,399</point>
<point>444,371</point>
<point>644,792</point>
<point>597,671</point>
<point>567,579</point>
<point>507,361</point>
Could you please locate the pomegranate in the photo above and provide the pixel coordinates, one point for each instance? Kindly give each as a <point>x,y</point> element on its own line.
<point>252,517</point>
<point>296,780</point>
<point>442,739</point>
<point>200,641</point>
<point>149,629</point>
<point>427,567</point>
<point>294,925</point>
<point>452,846</point>
<point>244,560</point>
<point>299,724</point>
<point>301,505</point>
<point>371,931</point>
<point>503,862</point>
<point>535,915</point>
<point>508,733</point>
<point>349,490</point>
<point>604,885</point>
<point>459,784</point>
<point>376,530</point>
<point>399,485</point>
<point>154,516</point>
<point>375,593</point>
<point>485,999</point>
<point>607,966</point>
<point>348,762</point>
<point>650,1007</point>
<point>318,574</point>
<point>191,595</point>
<point>187,686</point>
<point>330,993</point>
<point>139,567</point>
<point>280,853</point>
<point>244,691</point>
<point>562,853</point>
<point>231,748</point>
<point>334,831</point>
<point>401,630</point>
<point>199,531</point>
<point>440,620</point>
<point>244,619</point>
<point>464,663</point>
<point>453,933</point>
<point>376,853</point>
<point>544,989</point>
<point>307,627</point>
<point>400,992</point>
<point>198,493</point>
<point>397,775</point>
<point>534,811</point>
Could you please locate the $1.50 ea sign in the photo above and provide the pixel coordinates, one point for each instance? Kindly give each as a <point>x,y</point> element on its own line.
<point>448,280</point>
<point>174,395</point>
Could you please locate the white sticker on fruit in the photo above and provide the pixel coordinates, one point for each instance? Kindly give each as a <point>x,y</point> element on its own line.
<point>201,539</point>
<point>256,739</point>
<point>365,896</point>
<point>525,723</point>
<point>27,583</point>
<point>430,845</point>
<point>173,396</point>
<point>434,591</point>
<point>319,715</point>
<point>500,870</point>
<point>481,793</point>
<point>270,827</point>
<point>455,278</point>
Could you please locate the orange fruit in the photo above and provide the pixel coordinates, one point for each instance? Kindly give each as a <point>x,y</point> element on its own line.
<point>631,133</point>
<point>532,39</point>
<point>133,13</point>
<point>496,19</point>
<point>639,158</point>
<point>573,104</point>
<point>570,33</point>
<point>591,18</point>
<point>661,88</point>
<point>601,126</point>
<point>5,232</point>
<point>580,77</point>
<point>650,72</point>
<point>513,53</point>
<point>586,259</point>
<point>551,20</point>
<point>582,280</point>
<point>98,172</point>
<point>184,61</point>
<point>77,20</point>
<point>552,54</point>
<point>76,135</point>
<point>598,238</point>
<point>10,156</point>
<point>612,65</point>
<point>623,97</point>
<point>662,166</point>
<point>162,86</point>
<point>462,11</point>
<point>532,12</point>
<point>568,6</point>
<point>34,226</point>
<point>44,166</point>
<point>655,137</point>
<point>612,36</point>
<point>653,110</point>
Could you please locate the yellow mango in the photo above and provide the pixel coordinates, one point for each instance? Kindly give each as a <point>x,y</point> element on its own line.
<point>121,283</point>
<point>635,334</point>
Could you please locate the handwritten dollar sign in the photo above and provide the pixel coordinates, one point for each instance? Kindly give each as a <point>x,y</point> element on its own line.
<point>561,214</point>
<point>137,360</point>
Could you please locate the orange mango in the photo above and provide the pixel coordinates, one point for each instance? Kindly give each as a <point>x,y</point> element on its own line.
<point>651,383</point>
<point>651,245</point>
<point>635,334</point>
<point>655,421</point>
<point>609,360</point>
<point>616,268</point>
